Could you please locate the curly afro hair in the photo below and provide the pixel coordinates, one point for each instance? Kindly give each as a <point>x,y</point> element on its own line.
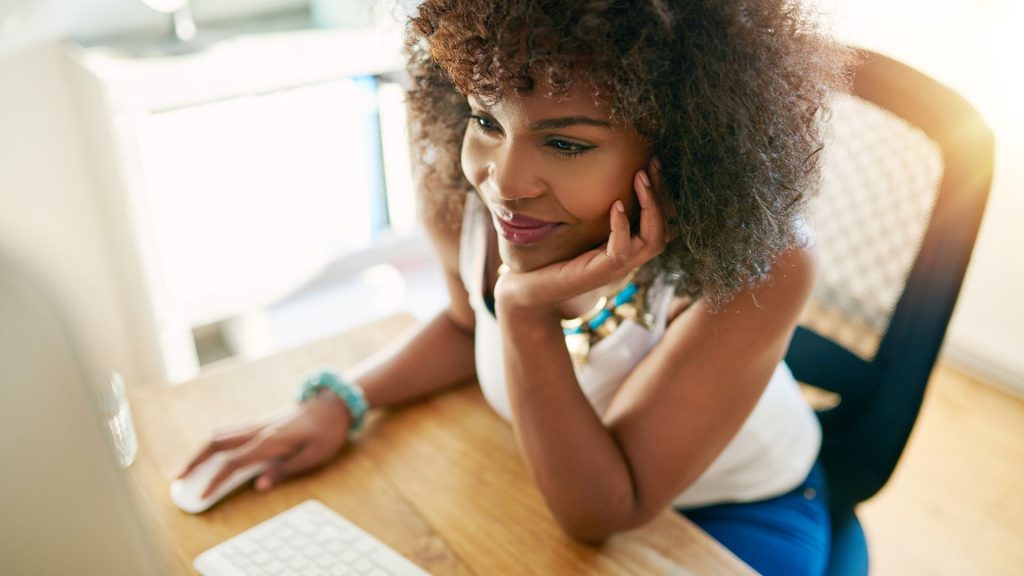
<point>729,94</point>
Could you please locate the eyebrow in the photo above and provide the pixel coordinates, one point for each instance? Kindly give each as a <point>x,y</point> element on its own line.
<point>554,123</point>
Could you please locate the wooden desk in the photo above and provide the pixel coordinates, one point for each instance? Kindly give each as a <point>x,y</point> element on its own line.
<point>441,481</point>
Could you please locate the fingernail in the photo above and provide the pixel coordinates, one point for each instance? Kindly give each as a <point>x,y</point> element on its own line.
<point>645,179</point>
<point>263,483</point>
<point>620,207</point>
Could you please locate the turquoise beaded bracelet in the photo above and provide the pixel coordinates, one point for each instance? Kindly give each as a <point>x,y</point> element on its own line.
<point>349,392</point>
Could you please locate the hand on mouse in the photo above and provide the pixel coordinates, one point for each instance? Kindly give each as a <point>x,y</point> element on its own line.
<point>304,438</point>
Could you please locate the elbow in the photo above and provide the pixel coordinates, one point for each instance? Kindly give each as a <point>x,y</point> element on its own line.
<point>595,528</point>
<point>589,535</point>
<point>594,513</point>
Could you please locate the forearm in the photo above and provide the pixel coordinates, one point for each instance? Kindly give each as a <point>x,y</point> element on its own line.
<point>576,460</point>
<point>436,356</point>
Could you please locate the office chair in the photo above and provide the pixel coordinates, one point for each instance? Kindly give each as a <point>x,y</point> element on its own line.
<point>905,176</point>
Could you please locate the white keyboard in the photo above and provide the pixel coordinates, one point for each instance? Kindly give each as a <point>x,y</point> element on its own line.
<point>309,539</point>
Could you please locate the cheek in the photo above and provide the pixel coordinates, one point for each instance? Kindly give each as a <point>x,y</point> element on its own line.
<point>589,194</point>
<point>472,159</point>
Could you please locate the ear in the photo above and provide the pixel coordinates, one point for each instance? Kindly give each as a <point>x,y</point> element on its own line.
<point>665,205</point>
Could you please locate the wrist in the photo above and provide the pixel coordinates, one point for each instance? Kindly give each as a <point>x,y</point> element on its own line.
<point>535,324</point>
<point>333,408</point>
<point>349,395</point>
<point>510,310</point>
<point>514,297</point>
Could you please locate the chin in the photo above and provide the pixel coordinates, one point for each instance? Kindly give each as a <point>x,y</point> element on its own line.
<point>524,258</point>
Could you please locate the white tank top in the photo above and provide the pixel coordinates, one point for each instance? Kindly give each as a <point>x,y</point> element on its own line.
<point>771,454</point>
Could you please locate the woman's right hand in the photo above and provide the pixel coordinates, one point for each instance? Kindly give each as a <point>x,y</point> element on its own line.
<point>304,438</point>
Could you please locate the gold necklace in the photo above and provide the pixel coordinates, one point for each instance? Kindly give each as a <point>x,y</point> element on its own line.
<point>627,301</point>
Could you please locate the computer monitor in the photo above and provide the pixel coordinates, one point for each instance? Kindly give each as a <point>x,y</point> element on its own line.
<point>66,506</point>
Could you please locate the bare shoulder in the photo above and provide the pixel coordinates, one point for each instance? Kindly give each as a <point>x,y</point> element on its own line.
<point>790,281</point>
<point>780,297</point>
<point>774,305</point>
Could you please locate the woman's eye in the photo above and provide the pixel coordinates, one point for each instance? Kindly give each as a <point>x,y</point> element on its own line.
<point>484,123</point>
<point>567,148</point>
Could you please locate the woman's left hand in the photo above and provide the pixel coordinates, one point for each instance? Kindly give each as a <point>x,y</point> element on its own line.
<point>545,288</point>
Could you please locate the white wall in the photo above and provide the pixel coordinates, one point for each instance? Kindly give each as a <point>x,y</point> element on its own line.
<point>50,219</point>
<point>987,332</point>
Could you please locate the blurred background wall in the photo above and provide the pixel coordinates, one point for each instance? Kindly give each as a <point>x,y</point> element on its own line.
<point>49,213</point>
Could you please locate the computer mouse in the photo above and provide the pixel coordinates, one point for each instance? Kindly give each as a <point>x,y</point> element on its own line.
<point>186,493</point>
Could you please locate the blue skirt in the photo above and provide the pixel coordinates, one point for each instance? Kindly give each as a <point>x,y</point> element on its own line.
<point>789,534</point>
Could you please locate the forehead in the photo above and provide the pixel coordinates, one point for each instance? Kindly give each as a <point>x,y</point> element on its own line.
<point>540,104</point>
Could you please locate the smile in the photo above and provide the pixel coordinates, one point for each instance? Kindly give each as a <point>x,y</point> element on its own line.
<point>522,230</point>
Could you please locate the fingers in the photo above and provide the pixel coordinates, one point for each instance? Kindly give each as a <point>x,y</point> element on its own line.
<point>618,248</point>
<point>222,441</point>
<point>624,251</point>
<point>306,459</point>
<point>652,225</point>
<point>260,448</point>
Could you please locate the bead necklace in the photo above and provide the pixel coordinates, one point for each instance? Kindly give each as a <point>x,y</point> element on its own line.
<point>626,302</point>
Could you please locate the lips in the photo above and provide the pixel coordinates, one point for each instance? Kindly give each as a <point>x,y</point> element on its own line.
<point>522,230</point>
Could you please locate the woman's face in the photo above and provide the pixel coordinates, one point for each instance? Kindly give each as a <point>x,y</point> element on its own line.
<point>549,171</point>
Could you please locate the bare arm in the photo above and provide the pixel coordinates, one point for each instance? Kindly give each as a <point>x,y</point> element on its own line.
<point>437,355</point>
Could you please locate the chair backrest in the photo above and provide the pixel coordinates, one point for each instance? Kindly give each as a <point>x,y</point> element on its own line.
<point>906,174</point>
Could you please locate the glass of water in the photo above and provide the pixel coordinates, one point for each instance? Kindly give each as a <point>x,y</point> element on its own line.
<point>112,400</point>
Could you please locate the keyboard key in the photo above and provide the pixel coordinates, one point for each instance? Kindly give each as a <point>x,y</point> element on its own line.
<point>271,543</point>
<point>348,556</point>
<point>363,546</point>
<point>324,560</point>
<point>309,548</point>
<point>261,557</point>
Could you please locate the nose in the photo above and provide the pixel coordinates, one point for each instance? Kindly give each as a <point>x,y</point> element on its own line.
<point>513,176</point>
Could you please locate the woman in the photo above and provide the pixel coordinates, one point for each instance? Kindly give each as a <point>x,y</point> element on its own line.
<point>615,192</point>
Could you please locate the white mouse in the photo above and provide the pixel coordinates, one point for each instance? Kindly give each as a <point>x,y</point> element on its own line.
<point>186,493</point>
